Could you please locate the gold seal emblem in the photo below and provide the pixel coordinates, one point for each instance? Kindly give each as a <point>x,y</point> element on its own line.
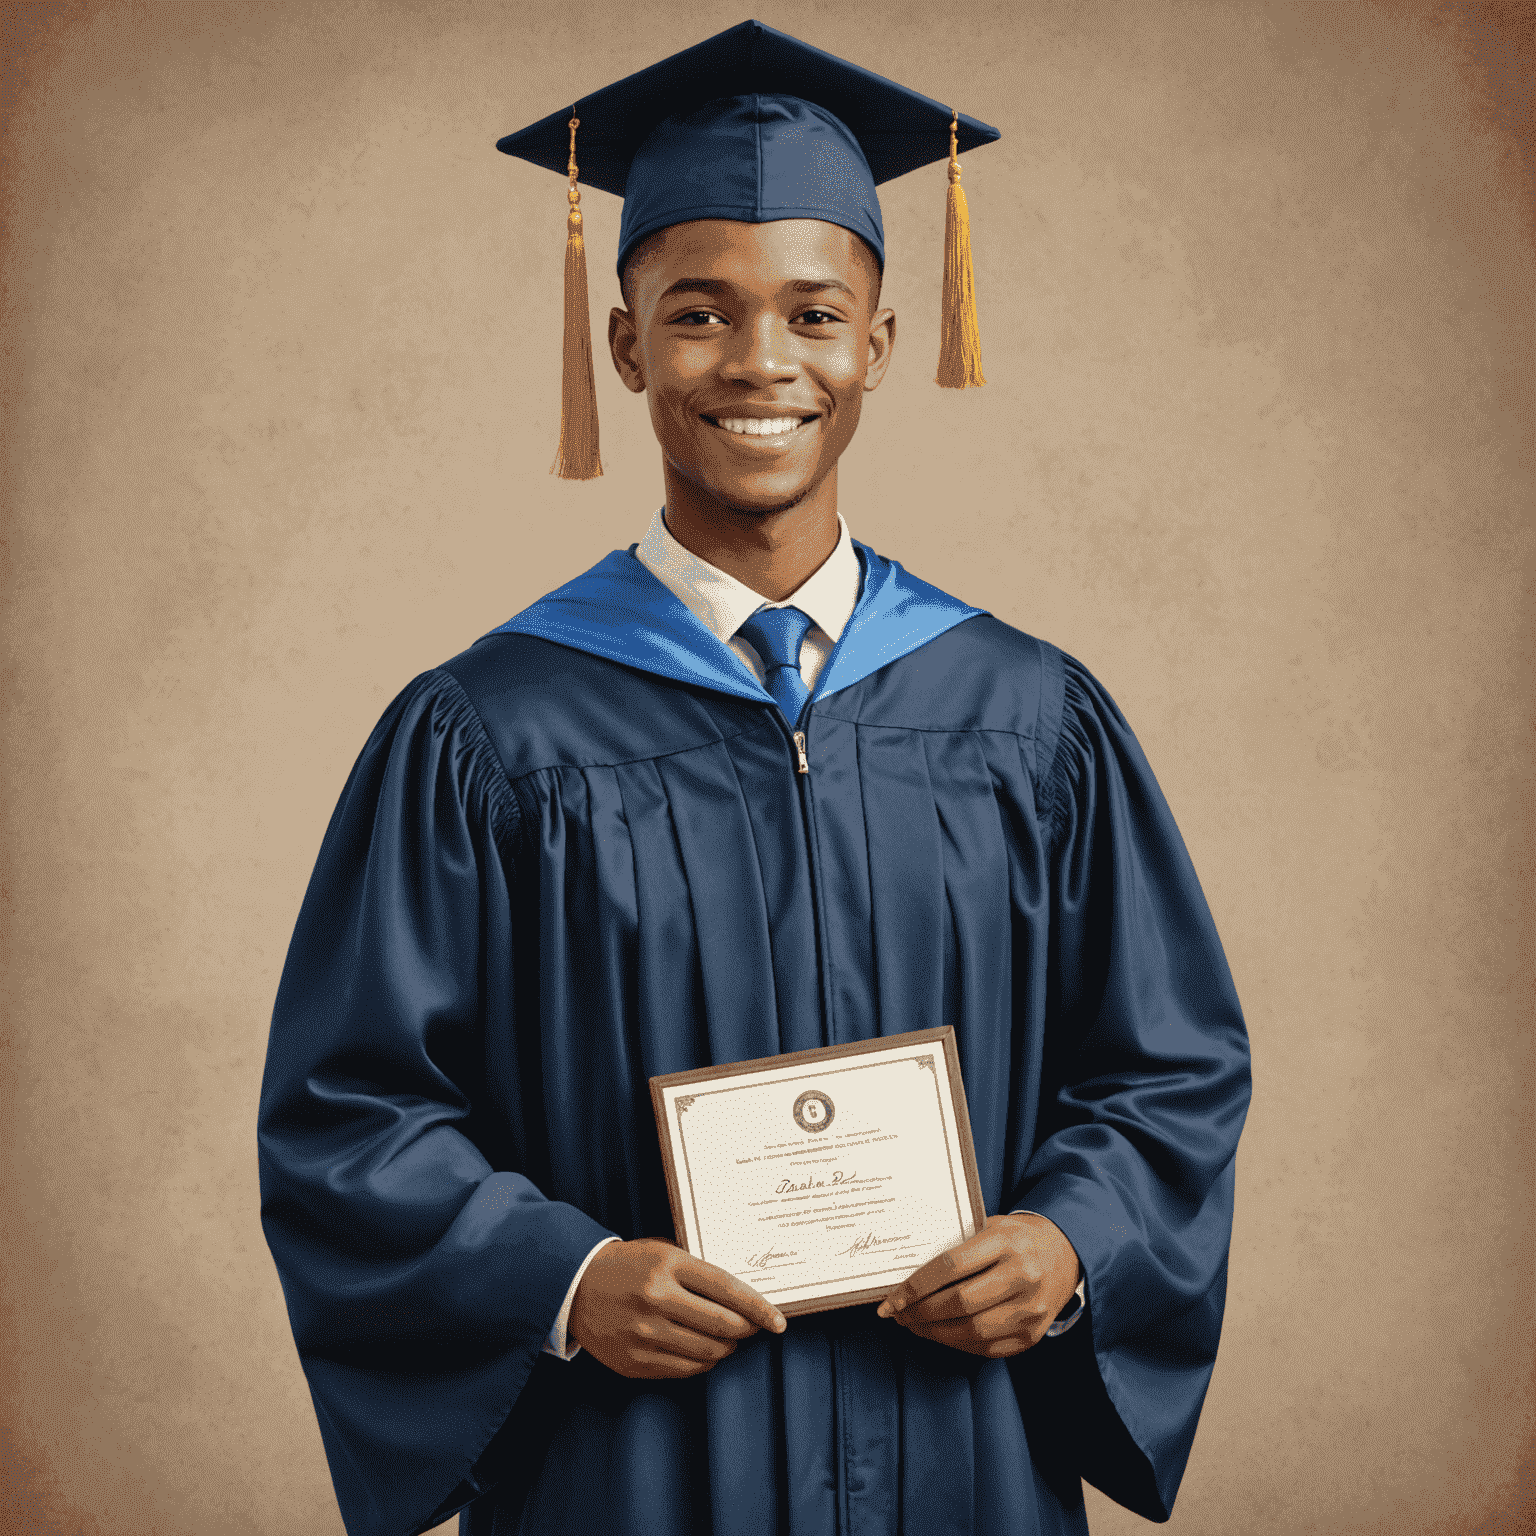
<point>814,1110</point>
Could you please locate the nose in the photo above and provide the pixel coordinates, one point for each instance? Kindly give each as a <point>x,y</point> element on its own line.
<point>764,352</point>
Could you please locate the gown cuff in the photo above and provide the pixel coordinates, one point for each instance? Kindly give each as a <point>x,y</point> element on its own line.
<point>557,1344</point>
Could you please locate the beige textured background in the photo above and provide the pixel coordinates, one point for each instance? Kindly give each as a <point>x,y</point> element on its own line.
<point>281,363</point>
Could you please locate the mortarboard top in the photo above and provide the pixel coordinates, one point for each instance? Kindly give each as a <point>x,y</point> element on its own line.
<point>749,125</point>
<point>897,129</point>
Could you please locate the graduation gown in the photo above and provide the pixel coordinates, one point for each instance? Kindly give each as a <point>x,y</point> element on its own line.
<point>580,854</point>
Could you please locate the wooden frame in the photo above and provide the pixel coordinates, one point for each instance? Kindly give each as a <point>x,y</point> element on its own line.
<point>943,1037</point>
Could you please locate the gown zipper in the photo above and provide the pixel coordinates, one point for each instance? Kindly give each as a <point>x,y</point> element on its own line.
<point>838,1393</point>
<point>799,743</point>
<point>823,961</point>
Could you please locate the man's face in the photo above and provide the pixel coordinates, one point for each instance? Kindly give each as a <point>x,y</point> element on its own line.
<point>755,344</point>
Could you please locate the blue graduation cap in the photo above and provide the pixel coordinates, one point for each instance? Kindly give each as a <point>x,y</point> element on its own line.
<point>751,125</point>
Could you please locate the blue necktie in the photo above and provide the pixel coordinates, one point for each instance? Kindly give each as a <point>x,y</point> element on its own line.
<point>775,634</point>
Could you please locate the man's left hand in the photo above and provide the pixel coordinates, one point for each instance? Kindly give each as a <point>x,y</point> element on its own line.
<point>996,1293</point>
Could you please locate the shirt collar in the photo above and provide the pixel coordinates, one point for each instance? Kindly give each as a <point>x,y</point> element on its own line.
<point>723,604</point>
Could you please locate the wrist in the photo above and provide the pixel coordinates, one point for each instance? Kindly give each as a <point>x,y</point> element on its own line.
<point>564,1339</point>
<point>1078,1299</point>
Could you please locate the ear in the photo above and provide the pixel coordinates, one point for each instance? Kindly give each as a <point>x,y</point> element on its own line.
<point>624,346</point>
<point>882,341</point>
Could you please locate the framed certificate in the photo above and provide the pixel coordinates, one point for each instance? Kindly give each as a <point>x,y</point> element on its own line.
<point>822,1178</point>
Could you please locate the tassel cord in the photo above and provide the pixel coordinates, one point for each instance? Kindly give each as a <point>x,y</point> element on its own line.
<point>577,456</point>
<point>959,331</point>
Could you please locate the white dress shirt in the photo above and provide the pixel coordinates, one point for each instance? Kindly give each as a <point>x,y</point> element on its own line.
<point>723,604</point>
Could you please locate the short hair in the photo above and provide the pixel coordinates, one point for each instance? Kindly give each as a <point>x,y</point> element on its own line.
<point>646,246</point>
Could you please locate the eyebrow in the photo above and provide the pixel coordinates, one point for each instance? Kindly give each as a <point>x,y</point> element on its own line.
<point>716,285</point>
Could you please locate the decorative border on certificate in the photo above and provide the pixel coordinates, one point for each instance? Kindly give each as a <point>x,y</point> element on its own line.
<point>822,1178</point>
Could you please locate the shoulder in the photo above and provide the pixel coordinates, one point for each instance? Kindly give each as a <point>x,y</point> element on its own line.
<point>547,705</point>
<point>432,706</point>
<point>979,675</point>
<point>429,745</point>
<point>508,671</point>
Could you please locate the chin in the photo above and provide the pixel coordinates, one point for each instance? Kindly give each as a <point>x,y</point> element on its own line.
<point>762,506</point>
<point>755,496</point>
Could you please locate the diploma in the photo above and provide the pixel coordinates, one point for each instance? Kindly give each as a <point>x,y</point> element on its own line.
<point>822,1178</point>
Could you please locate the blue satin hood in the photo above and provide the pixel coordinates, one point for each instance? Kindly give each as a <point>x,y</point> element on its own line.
<point>621,610</point>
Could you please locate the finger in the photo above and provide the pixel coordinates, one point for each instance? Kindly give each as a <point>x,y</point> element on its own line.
<point>945,1269</point>
<point>667,1297</point>
<point>998,1331</point>
<point>990,1287</point>
<point>955,1335</point>
<point>660,1333</point>
<point>979,1252</point>
<point>663,1294</point>
<point>709,1280</point>
<point>655,1364</point>
<point>702,1316</point>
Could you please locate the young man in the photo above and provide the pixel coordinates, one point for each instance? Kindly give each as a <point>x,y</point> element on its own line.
<point>747,788</point>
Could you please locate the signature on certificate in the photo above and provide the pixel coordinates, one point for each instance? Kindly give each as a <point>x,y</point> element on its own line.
<point>868,1241</point>
<point>764,1259</point>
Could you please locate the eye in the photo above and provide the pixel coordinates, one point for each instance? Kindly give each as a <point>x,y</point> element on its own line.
<point>820,317</point>
<point>699,317</point>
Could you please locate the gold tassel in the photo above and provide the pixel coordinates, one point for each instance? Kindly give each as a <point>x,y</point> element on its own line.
<point>959,334</point>
<point>576,458</point>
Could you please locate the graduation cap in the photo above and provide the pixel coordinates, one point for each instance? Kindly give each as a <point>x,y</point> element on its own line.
<point>751,125</point>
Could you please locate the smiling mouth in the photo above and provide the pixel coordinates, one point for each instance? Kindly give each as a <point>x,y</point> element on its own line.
<point>760,426</point>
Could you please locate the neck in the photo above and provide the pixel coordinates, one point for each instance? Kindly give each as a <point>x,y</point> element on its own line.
<point>773,552</point>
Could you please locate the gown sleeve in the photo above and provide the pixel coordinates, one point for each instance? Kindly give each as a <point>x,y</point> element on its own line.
<point>421,1270</point>
<point>1145,1088</point>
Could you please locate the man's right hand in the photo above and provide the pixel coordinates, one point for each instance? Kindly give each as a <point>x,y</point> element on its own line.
<point>649,1309</point>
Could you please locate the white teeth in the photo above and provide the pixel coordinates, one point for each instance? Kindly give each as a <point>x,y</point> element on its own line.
<point>754,426</point>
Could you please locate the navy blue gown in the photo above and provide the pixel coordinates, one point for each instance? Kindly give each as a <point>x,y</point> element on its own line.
<point>580,854</point>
